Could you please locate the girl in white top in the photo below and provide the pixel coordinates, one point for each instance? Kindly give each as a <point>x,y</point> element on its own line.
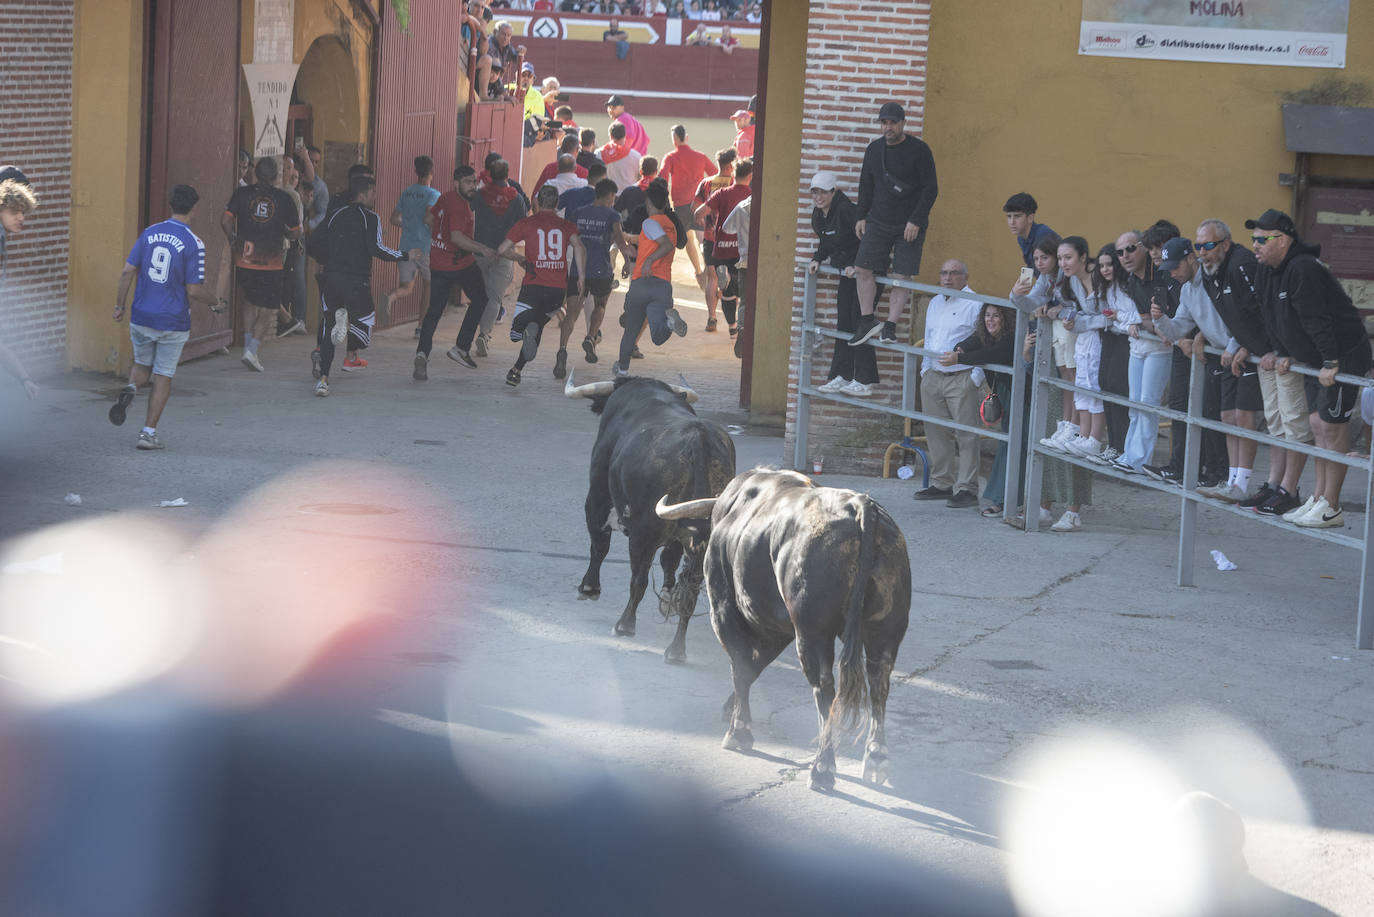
<point>1082,315</point>
<point>1040,297</point>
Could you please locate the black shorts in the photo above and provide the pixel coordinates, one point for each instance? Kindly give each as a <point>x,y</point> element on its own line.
<point>1334,403</point>
<point>1241,394</point>
<point>544,300</point>
<point>599,287</point>
<point>260,288</point>
<point>882,249</point>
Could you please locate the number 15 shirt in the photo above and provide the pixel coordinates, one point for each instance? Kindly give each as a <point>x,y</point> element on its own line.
<point>168,257</point>
<point>547,237</point>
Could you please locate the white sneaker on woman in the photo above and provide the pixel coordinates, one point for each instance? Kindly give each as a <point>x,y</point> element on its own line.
<point>1069,522</point>
<point>858,389</point>
<point>833,386</point>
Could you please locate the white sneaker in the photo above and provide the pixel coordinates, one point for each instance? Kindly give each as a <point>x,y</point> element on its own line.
<point>1323,516</point>
<point>252,362</point>
<point>1229,493</point>
<point>322,389</point>
<point>858,389</point>
<point>1293,515</point>
<point>1069,522</point>
<point>1057,439</point>
<point>1085,446</point>
<point>340,332</point>
<point>1318,508</point>
<point>834,385</point>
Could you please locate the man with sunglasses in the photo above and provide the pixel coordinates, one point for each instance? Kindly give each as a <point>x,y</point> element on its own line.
<point>1315,324</point>
<point>1228,276</point>
<point>897,188</point>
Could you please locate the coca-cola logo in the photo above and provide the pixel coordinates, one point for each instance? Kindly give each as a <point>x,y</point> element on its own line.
<point>1314,50</point>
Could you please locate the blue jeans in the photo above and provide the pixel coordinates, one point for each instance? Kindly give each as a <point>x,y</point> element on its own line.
<point>1148,376</point>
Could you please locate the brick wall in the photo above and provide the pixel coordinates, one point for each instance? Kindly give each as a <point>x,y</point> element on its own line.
<point>839,119</point>
<point>36,136</point>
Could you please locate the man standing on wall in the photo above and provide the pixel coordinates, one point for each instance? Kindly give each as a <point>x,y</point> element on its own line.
<point>897,188</point>
<point>258,222</point>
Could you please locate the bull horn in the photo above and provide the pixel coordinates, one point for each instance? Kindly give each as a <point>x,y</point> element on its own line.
<point>590,390</point>
<point>684,389</point>
<point>692,509</point>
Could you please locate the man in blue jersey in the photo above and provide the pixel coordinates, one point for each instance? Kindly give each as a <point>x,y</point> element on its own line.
<point>409,215</point>
<point>169,260</point>
<point>598,225</point>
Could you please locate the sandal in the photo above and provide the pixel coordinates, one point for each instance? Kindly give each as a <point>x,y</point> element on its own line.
<point>991,512</point>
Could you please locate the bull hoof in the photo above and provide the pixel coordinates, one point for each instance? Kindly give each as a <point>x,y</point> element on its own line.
<point>675,655</point>
<point>875,769</point>
<point>740,740</point>
<point>623,630</point>
<point>585,591</point>
<point>822,780</point>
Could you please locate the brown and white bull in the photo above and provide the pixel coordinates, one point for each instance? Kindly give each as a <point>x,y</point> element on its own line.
<point>651,444</point>
<point>789,560</point>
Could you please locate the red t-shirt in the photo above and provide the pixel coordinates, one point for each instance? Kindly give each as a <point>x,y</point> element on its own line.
<point>709,186</point>
<point>683,169</point>
<point>546,236</point>
<point>550,171</point>
<point>721,203</point>
<point>451,213</point>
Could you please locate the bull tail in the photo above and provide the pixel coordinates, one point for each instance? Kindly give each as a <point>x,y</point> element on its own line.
<point>849,709</point>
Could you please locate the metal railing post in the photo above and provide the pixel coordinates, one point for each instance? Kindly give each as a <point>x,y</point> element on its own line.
<point>1187,523</point>
<point>1016,421</point>
<point>1364,618</point>
<point>808,341</point>
<point>1039,409</point>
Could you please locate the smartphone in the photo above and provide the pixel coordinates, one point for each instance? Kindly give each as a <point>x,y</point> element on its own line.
<point>563,97</point>
<point>1028,274</point>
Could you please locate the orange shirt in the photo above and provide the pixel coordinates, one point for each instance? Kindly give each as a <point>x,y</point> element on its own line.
<point>663,267</point>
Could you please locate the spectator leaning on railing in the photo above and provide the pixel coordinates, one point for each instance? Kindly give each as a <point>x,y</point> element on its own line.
<point>1315,324</point>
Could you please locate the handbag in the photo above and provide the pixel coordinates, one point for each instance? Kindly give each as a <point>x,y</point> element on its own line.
<point>991,409</point>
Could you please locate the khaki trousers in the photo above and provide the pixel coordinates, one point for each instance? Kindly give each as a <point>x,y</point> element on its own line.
<point>953,453</point>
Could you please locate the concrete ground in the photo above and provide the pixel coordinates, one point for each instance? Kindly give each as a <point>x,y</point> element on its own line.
<point>452,509</point>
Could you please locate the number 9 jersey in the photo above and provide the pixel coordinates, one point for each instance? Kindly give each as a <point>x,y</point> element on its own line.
<point>168,256</point>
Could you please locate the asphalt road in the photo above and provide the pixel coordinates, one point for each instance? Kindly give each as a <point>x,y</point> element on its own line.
<point>446,518</point>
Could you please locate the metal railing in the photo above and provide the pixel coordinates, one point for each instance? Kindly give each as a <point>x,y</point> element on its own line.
<point>1044,384</point>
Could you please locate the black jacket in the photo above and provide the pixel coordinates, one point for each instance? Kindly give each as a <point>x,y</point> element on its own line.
<point>1232,290</point>
<point>836,232</point>
<point>974,352</point>
<point>1312,317</point>
<point>897,183</point>
<point>352,238</point>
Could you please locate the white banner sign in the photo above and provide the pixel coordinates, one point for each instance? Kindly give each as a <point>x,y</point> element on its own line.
<point>1287,33</point>
<point>269,89</point>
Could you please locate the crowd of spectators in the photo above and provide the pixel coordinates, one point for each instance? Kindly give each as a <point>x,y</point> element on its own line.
<point>1128,318</point>
<point>710,10</point>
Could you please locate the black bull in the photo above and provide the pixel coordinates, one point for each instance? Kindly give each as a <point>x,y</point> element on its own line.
<point>788,559</point>
<point>651,445</point>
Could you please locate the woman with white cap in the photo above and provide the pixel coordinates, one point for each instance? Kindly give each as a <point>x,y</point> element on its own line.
<point>853,370</point>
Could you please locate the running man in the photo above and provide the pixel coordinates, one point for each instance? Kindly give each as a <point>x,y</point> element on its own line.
<point>353,237</point>
<point>724,177</point>
<point>169,260</point>
<point>451,251</point>
<point>724,257</point>
<point>547,240</point>
<point>685,168</point>
<point>651,290</point>
<point>409,214</point>
<point>258,222</point>
<point>598,225</point>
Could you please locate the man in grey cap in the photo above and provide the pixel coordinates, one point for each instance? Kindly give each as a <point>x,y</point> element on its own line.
<point>1315,324</point>
<point>897,188</point>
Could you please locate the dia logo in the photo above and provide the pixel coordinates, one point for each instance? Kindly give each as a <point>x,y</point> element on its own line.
<point>545,27</point>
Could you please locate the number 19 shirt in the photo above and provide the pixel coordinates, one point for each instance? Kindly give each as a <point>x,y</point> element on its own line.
<point>168,257</point>
<point>546,236</point>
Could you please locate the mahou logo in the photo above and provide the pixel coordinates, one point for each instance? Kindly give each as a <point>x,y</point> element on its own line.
<point>1314,50</point>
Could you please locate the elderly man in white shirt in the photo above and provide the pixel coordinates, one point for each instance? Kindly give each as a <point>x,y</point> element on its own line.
<point>951,390</point>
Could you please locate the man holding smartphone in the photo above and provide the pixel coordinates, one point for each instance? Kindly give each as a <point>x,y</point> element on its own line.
<point>897,188</point>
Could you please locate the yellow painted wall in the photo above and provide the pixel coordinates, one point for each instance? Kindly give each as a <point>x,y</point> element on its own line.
<point>1103,144</point>
<point>773,254</point>
<point>107,82</point>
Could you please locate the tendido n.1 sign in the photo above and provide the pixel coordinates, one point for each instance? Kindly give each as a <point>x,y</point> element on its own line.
<point>1287,33</point>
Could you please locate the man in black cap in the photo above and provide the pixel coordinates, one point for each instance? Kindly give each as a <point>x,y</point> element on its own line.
<point>1315,324</point>
<point>897,188</point>
<point>635,134</point>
